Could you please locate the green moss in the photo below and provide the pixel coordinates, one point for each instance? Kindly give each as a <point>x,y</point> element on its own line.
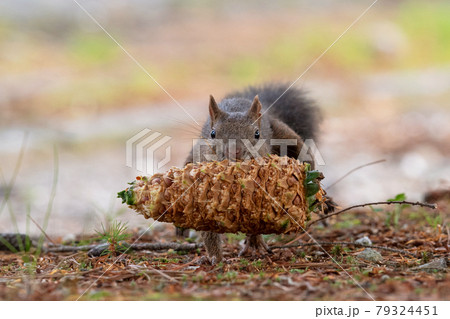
<point>244,262</point>
<point>166,260</point>
<point>337,251</point>
<point>231,275</point>
<point>257,264</point>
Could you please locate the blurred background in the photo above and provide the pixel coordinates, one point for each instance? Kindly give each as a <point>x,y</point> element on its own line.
<point>67,89</point>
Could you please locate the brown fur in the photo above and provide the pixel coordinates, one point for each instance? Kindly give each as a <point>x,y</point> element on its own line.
<point>238,117</point>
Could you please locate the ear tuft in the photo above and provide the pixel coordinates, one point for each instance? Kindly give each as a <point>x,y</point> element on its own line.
<point>255,109</point>
<point>214,110</point>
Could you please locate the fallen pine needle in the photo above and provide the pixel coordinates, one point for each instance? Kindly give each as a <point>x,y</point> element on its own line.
<point>400,251</point>
<point>432,206</point>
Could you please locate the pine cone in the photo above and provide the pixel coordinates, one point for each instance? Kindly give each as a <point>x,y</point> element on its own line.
<point>261,196</point>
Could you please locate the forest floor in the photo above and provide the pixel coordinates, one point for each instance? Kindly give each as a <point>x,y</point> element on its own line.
<point>337,270</point>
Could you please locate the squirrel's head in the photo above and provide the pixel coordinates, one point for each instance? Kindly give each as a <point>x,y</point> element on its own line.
<point>237,129</point>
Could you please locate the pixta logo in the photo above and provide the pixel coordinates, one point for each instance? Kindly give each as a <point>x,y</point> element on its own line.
<point>141,148</point>
<point>243,149</point>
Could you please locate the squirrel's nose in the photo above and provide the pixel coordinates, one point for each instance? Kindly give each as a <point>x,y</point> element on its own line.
<point>236,153</point>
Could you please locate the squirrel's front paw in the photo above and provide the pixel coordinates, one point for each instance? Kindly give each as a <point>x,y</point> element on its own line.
<point>214,260</point>
<point>329,205</point>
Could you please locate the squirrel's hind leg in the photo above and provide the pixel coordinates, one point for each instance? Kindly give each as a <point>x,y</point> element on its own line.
<point>257,243</point>
<point>213,245</point>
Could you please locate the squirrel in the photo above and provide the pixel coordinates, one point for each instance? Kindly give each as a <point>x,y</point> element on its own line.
<point>258,115</point>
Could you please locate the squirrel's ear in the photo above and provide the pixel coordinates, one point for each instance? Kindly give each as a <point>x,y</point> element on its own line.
<point>255,110</point>
<point>214,111</point>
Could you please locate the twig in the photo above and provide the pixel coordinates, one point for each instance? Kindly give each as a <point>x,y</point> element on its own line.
<point>65,258</point>
<point>295,239</point>
<point>66,248</point>
<point>433,206</point>
<point>193,261</point>
<point>56,275</point>
<point>161,273</point>
<point>164,246</point>
<point>345,243</point>
<point>353,170</point>
<point>96,250</point>
<point>40,228</point>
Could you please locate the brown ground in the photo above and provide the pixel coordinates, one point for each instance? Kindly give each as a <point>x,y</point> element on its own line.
<point>305,273</point>
<point>384,88</point>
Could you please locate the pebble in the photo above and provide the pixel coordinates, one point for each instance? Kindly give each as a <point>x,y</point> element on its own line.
<point>319,253</point>
<point>364,241</point>
<point>193,234</point>
<point>370,254</point>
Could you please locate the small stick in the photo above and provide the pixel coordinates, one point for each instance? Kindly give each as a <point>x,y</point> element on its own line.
<point>344,243</point>
<point>161,273</point>
<point>43,232</point>
<point>353,170</point>
<point>137,246</point>
<point>433,206</point>
<point>295,239</point>
<point>193,261</point>
<point>164,246</point>
<point>67,248</point>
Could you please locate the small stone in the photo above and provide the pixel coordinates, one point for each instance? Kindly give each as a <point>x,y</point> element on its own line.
<point>438,264</point>
<point>319,253</point>
<point>193,234</point>
<point>385,277</point>
<point>370,254</point>
<point>364,241</point>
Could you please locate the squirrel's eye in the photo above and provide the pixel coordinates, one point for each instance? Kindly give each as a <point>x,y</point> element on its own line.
<point>213,134</point>
<point>257,134</point>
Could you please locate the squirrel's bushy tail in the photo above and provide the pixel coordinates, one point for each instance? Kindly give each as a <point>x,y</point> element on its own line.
<point>289,105</point>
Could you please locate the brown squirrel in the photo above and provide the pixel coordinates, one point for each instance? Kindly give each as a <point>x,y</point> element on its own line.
<point>249,116</point>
